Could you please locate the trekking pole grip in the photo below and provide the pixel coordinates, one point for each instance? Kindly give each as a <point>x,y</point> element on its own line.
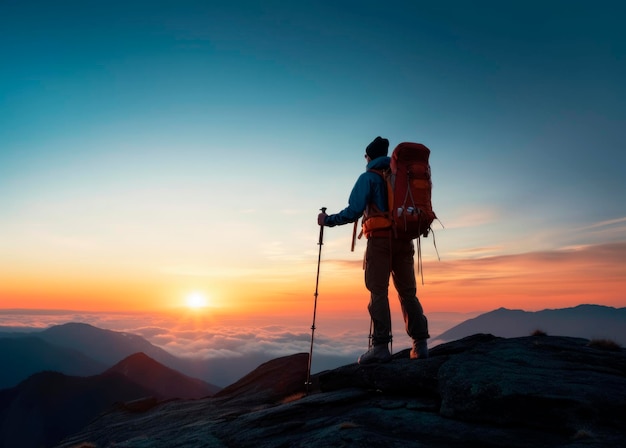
<point>321,241</point>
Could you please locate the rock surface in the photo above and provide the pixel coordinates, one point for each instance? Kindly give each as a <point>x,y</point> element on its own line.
<point>479,391</point>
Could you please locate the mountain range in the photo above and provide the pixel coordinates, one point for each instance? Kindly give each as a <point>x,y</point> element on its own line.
<point>584,321</point>
<point>81,349</point>
<point>57,380</point>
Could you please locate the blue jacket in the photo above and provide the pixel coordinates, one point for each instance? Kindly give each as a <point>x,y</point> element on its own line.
<point>369,188</point>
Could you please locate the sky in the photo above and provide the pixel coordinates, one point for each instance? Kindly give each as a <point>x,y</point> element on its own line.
<point>150,151</point>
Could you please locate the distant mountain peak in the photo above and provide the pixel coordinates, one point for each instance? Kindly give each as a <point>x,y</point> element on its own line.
<point>138,362</point>
<point>73,325</point>
<point>140,356</point>
<point>166,382</point>
<point>585,321</point>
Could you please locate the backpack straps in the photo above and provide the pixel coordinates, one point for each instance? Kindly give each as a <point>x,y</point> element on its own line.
<point>386,216</point>
<point>375,212</point>
<point>386,175</point>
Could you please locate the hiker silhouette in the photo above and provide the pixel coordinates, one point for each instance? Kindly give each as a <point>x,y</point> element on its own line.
<point>388,254</point>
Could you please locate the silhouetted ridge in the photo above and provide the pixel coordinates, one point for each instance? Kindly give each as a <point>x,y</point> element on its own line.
<point>586,321</point>
<point>23,356</point>
<point>165,382</point>
<point>107,346</point>
<point>270,381</point>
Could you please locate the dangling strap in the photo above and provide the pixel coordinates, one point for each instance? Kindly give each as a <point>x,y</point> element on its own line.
<point>435,243</point>
<point>418,243</point>
<point>390,269</point>
<point>419,258</point>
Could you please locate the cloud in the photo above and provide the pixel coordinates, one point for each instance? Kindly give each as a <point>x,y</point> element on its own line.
<point>474,217</point>
<point>206,342</point>
<point>151,332</point>
<point>476,251</point>
<point>595,259</point>
<point>531,281</point>
<point>604,224</point>
<point>602,231</point>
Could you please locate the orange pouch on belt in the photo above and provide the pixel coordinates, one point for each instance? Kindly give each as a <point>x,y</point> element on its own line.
<point>374,223</point>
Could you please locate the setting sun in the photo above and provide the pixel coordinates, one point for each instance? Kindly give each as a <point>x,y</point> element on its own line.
<point>196,300</point>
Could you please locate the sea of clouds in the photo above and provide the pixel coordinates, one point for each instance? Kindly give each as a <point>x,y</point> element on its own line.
<point>337,340</point>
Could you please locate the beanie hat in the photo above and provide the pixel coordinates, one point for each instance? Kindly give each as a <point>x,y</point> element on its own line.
<point>377,148</point>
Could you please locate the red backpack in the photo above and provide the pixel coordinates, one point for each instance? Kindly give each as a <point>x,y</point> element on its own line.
<point>410,211</point>
<point>411,206</point>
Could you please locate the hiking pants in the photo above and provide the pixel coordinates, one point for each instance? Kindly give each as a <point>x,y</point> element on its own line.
<point>386,256</point>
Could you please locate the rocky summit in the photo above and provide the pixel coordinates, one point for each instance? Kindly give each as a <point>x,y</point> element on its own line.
<point>483,391</point>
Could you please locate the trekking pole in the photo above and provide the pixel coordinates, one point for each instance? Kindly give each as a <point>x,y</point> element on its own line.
<point>317,280</point>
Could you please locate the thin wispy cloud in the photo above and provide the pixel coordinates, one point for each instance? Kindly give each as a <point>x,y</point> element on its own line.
<point>603,231</point>
<point>604,224</point>
<point>472,252</point>
<point>475,217</point>
<point>565,277</point>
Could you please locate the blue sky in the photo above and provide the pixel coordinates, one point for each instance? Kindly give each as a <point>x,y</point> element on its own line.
<point>199,139</point>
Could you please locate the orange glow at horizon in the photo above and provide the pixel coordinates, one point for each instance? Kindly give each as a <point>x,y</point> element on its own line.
<point>530,281</point>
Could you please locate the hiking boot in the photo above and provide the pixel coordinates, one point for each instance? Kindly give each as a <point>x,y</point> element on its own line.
<point>419,350</point>
<point>376,354</point>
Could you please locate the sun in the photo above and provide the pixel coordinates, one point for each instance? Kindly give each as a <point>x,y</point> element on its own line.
<point>196,300</point>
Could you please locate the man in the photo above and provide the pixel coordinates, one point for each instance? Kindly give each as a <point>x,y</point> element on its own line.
<point>386,254</point>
